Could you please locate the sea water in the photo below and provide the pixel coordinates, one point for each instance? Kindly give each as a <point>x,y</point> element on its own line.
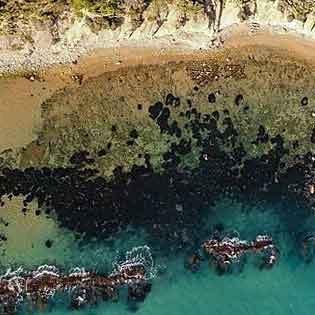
<point>288,288</point>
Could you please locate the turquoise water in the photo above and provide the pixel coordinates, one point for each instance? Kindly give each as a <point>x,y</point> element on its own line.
<point>286,289</point>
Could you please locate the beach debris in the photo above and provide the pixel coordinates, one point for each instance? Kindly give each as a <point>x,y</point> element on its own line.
<point>254,27</point>
<point>77,78</point>
<point>134,271</point>
<point>31,76</point>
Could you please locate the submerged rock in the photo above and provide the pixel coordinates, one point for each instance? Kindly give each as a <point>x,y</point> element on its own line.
<point>212,98</point>
<point>155,110</point>
<point>304,101</point>
<point>239,99</point>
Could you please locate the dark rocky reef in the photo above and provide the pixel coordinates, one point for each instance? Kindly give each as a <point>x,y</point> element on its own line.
<point>100,167</point>
<point>169,203</point>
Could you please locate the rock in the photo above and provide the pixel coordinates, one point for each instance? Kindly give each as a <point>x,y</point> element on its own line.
<point>238,99</point>
<point>211,98</point>
<point>304,101</point>
<point>216,115</point>
<point>102,152</point>
<point>155,110</point>
<point>134,134</point>
<point>48,243</point>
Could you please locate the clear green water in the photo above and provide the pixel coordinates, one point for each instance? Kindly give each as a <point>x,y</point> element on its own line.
<point>286,289</point>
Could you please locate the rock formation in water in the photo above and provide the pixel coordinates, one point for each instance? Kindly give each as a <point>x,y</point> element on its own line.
<point>38,287</point>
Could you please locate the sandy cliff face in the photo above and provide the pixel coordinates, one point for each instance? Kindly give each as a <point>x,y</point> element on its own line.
<point>170,20</point>
<point>64,36</point>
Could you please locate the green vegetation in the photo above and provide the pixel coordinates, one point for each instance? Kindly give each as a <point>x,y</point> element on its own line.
<point>104,13</point>
<point>188,6</point>
<point>80,5</point>
<point>297,9</point>
<point>14,13</point>
<point>105,8</point>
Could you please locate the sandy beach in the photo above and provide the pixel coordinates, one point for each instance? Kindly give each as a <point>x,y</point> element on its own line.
<point>20,116</point>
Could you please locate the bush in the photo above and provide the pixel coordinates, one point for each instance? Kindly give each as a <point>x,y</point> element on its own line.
<point>105,8</point>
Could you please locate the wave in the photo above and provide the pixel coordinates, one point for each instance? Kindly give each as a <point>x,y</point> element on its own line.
<point>133,269</point>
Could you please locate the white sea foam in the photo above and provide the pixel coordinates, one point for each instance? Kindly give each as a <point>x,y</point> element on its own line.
<point>16,281</point>
<point>137,256</point>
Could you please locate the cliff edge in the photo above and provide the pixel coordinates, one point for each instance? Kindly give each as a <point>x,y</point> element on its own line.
<point>39,33</point>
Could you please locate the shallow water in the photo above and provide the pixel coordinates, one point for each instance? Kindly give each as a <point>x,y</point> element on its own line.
<point>286,289</point>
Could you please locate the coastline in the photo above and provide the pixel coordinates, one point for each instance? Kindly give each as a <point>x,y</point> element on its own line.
<point>20,116</point>
<point>73,38</point>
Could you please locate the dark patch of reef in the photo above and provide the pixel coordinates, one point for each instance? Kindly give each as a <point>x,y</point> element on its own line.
<point>168,204</point>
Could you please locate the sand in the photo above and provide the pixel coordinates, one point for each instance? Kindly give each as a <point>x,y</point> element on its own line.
<point>21,98</point>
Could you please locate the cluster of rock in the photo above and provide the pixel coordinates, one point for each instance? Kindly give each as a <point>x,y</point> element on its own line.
<point>226,251</point>
<point>38,287</point>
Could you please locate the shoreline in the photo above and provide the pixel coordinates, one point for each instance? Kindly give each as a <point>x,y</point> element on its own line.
<point>70,51</point>
<point>20,116</point>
